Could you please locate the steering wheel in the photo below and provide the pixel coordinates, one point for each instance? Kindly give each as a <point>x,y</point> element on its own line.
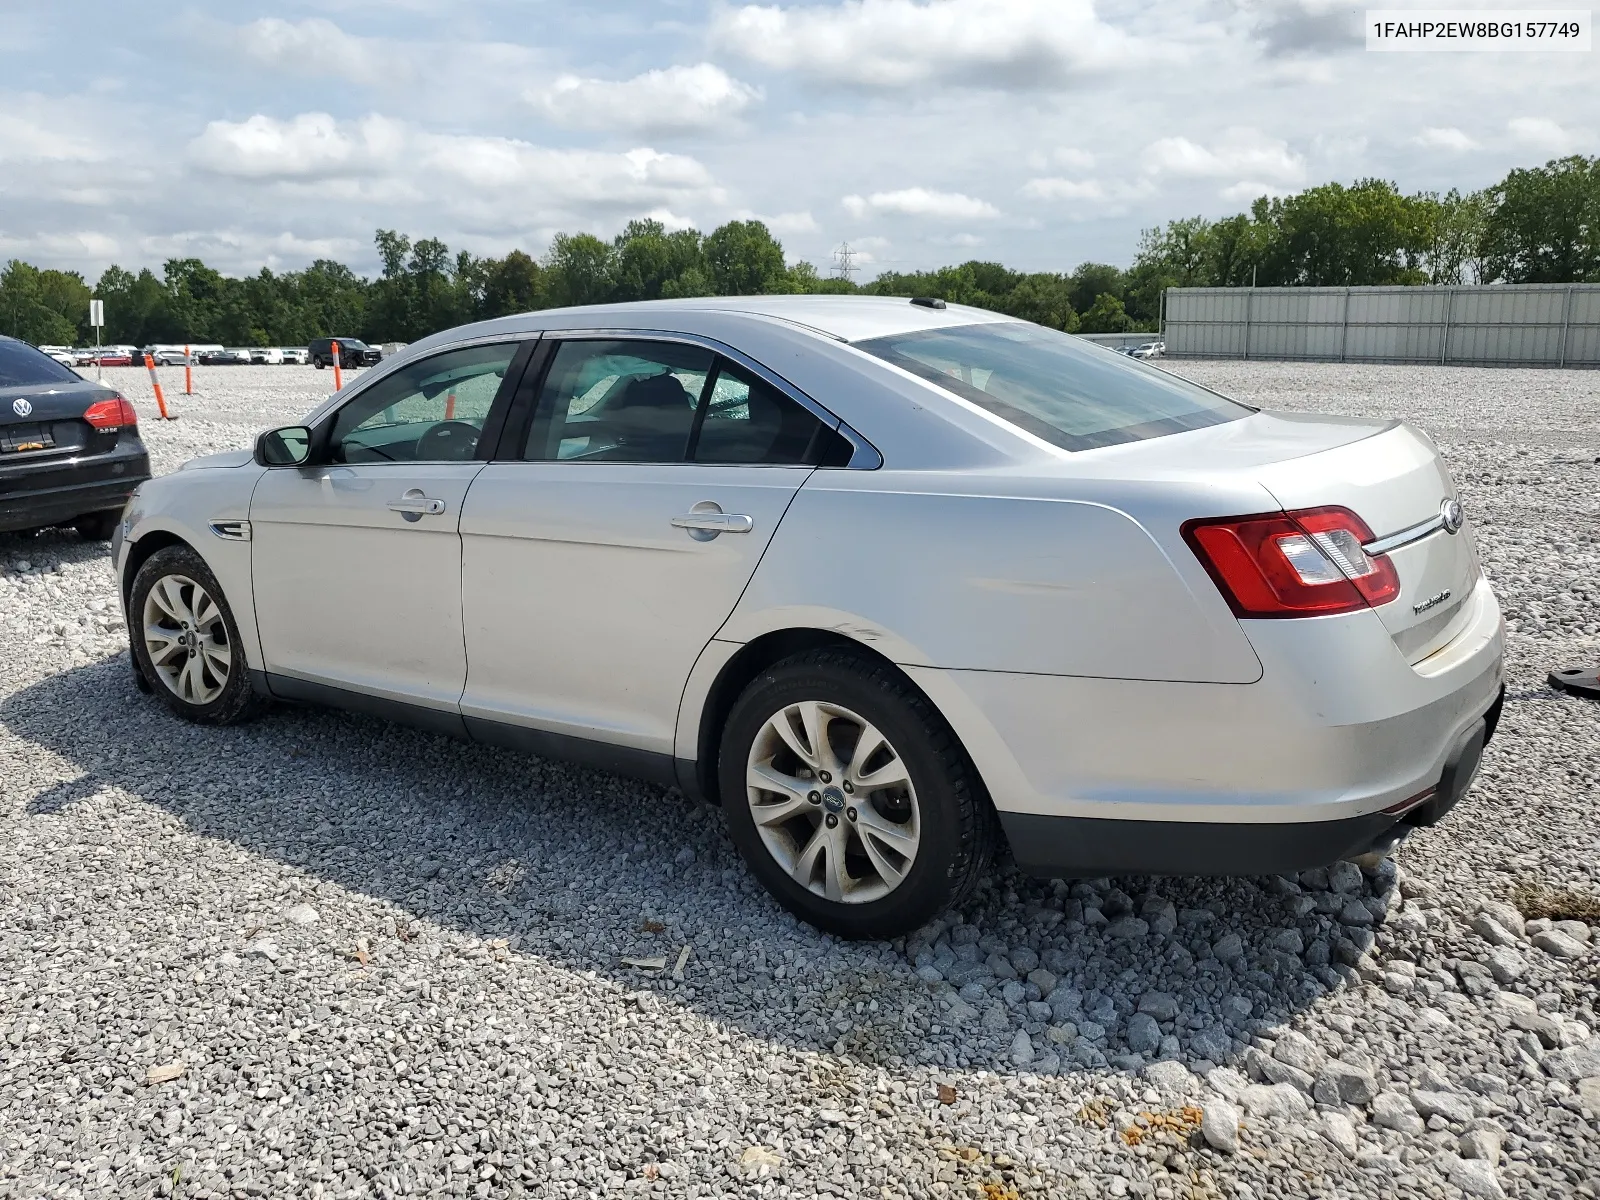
<point>448,441</point>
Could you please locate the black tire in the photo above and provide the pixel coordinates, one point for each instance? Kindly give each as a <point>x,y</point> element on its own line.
<point>97,527</point>
<point>316,361</point>
<point>237,700</point>
<point>958,824</point>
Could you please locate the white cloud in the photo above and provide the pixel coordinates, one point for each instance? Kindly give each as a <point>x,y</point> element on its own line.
<point>32,129</point>
<point>1241,154</point>
<point>784,224</point>
<point>1064,189</point>
<point>1445,138</point>
<point>674,100</point>
<point>310,146</point>
<point>920,202</point>
<point>1008,44</point>
<point>380,158</point>
<point>1544,135</point>
<point>316,46</point>
<point>1247,190</point>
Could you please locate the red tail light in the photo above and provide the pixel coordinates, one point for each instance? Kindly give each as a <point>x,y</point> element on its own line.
<point>111,414</point>
<point>1293,564</point>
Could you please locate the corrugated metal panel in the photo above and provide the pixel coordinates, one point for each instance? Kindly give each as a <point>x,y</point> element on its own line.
<point>1524,324</point>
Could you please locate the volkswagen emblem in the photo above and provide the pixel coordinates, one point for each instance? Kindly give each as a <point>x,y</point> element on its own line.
<point>1452,516</point>
<point>21,407</point>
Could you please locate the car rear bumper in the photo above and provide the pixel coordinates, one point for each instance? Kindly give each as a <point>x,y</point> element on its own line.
<point>1073,847</point>
<point>1339,742</point>
<point>54,493</point>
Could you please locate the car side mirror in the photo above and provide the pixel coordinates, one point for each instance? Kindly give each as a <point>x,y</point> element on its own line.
<point>286,447</point>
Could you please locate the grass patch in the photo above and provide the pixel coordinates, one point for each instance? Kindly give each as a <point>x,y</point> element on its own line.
<point>1534,900</point>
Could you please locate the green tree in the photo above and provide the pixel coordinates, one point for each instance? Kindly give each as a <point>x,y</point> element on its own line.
<point>1106,315</point>
<point>744,259</point>
<point>41,306</point>
<point>648,258</point>
<point>579,269</point>
<point>512,284</point>
<point>1090,281</point>
<point>1543,224</point>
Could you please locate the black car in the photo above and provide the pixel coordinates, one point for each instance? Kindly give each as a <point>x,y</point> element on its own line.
<point>70,452</point>
<point>353,352</point>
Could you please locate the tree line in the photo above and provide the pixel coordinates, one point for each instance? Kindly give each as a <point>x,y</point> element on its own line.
<point>1537,225</point>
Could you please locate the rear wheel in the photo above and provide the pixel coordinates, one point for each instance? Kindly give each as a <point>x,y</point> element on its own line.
<point>97,527</point>
<point>850,798</point>
<point>318,363</point>
<point>185,641</point>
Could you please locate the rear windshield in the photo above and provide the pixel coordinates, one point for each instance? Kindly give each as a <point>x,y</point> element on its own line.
<point>22,366</point>
<point>1069,392</point>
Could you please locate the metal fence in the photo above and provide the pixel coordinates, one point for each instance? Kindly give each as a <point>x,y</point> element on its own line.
<point>1541,324</point>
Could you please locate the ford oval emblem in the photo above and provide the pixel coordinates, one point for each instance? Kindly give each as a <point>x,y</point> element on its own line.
<point>1452,516</point>
<point>21,407</point>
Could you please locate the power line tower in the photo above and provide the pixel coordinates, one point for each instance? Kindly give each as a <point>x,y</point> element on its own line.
<point>844,262</point>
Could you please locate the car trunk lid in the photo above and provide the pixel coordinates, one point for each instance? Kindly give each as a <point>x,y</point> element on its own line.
<point>1395,481</point>
<point>45,421</point>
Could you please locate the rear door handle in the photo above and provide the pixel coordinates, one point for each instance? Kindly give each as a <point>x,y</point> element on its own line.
<point>713,523</point>
<point>414,505</point>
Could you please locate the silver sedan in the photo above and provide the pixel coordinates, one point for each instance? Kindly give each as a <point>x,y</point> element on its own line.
<point>893,582</point>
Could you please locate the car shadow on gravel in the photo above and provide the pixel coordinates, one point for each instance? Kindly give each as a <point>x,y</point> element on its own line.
<point>584,869</point>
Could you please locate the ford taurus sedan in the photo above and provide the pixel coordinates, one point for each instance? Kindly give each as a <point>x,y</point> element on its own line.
<point>890,581</point>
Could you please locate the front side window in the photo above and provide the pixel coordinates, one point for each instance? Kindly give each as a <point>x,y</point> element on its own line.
<point>431,410</point>
<point>619,401</point>
<point>1062,389</point>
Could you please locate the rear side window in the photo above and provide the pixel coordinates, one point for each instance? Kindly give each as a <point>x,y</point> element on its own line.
<point>23,366</point>
<point>747,420</point>
<point>1069,392</point>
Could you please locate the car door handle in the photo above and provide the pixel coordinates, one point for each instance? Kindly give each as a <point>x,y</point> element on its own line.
<point>415,504</point>
<point>715,522</point>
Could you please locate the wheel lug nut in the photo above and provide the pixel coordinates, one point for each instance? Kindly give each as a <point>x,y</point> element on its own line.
<point>849,787</point>
<point>825,777</point>
<point>815,797</point>
<point>833,821</point>
<point>851,814</point>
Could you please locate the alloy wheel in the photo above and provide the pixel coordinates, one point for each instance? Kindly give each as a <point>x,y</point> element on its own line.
<point>833,802</point>
<point>187,639</point>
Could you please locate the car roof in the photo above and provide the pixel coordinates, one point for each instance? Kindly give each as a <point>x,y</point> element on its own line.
<point>843,318</point>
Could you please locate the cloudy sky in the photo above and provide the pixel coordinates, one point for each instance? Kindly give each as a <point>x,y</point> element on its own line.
<point>1037,132</point>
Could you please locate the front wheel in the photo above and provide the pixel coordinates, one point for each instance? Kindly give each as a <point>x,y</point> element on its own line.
<point>850,798</point>
<point>318,363</point>
<point>185,641</point>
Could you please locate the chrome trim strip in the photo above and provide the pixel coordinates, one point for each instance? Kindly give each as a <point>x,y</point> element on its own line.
<point>1405,537</point>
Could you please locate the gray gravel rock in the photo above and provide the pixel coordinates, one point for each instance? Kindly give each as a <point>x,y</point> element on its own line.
<point>1339,1130</point>
<point>1219,1125</point>
<point>1562,945</point>
<point>1274,1100</point>
<point>1394,1110</point>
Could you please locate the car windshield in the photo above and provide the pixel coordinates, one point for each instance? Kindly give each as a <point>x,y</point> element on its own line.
<point>22,366</point>
<point>1069,392</point>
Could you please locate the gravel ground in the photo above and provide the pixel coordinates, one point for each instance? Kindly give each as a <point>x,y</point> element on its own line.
<point>323,956</point>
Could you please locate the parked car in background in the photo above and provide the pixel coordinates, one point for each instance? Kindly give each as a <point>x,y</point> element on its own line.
<point>64,355</point>
<point>266,355</point>
<point>1149,350</point>
<point>886,579</point>
<point>70,452</point>
<point>353,352</point>
<point>390,349</point>
<point>296,355</point>
<point>231,357</point>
